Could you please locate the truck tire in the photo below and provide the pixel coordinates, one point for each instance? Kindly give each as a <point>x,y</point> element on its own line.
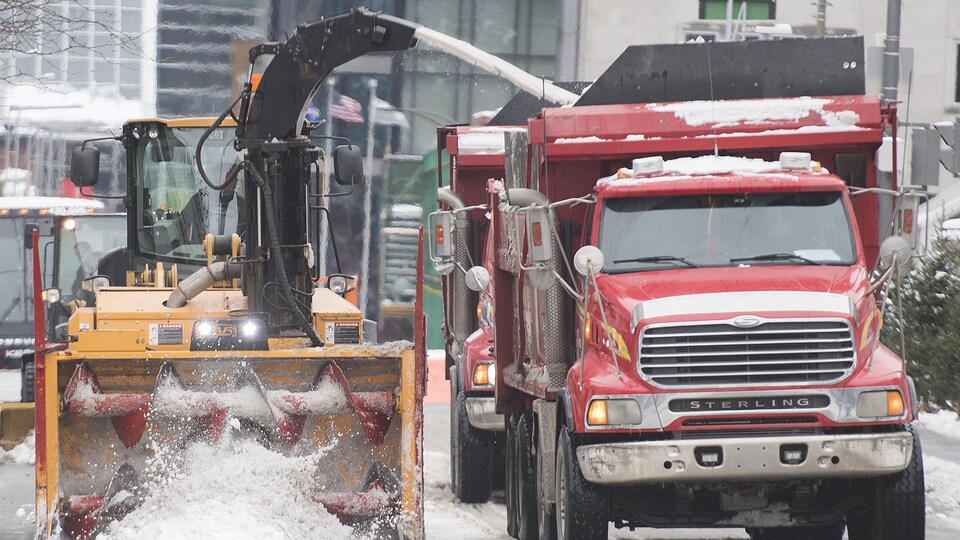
<point>897,509</point>
<point>470,458</point>
<point>510,480</point>
<point>526,482</point>
<point>27,377</point>
<point>582,511</point>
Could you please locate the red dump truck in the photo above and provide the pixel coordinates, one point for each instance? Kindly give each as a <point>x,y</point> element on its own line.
<point>685,316</point>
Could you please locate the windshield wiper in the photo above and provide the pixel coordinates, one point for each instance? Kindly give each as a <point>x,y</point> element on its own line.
<point>658,259</point>
<point>777,257</point>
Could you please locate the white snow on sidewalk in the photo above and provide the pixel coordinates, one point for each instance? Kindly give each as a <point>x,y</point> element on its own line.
<point>941,477</point>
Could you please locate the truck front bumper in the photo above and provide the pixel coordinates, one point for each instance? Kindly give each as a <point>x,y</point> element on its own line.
<point>481,412</point>
<point>748,458</point>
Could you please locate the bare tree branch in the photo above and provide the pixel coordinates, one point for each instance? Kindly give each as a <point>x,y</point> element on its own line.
<point>47,28</point>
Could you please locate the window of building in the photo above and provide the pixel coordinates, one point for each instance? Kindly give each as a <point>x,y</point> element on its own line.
<point>523,32</point>
<point>96,43</point>
<point>755,9</point>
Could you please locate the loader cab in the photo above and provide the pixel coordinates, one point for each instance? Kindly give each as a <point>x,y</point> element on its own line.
<point>172,208</point>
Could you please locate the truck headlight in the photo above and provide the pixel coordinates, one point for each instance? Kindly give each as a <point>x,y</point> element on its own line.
<point>485,374</point>
<point>879,404</point>
<point>613,412</point>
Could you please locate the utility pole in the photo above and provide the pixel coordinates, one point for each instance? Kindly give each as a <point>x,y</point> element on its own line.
<point>891,80</point>
<point>821,18</point>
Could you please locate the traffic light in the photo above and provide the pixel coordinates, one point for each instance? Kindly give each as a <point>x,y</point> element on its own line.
<point>950,133</point>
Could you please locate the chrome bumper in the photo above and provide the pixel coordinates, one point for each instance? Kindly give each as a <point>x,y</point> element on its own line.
<point>759,458</point>
<point>482,414</point>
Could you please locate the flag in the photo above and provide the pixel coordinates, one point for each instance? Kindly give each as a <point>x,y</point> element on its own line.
<point>346,109</point>
<point>386,114</point>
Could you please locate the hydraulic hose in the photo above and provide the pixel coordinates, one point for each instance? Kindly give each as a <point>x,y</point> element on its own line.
<point>286,292</point>
<point>235,169</point>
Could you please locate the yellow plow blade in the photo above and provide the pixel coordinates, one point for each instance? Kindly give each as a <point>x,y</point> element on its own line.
<point>355,408</point>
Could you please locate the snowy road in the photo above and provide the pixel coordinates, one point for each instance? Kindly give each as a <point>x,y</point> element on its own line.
<point>447,520</point>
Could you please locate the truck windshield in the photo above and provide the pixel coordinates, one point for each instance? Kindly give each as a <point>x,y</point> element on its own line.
<point>84,240</point>
<point>687,231</point>
<point>16,271</point>
<point>176,209</point>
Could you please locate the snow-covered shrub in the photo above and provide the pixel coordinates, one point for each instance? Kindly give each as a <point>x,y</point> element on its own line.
<point>930,301</point>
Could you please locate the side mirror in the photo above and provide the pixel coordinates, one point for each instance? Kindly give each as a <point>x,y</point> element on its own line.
<point>441,225</point>
<point>896,252</point>
<point>539,234</point>
<point>28,234</point>
<point>477,279</point>
<point>588,260</point>
<point>347,165</point>
<point>85,166</point>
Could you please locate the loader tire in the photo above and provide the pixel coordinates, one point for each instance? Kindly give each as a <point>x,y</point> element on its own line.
<point>897,509</point>
<point>27,378</point>
<point>582,511</point>
<point>470,457</point>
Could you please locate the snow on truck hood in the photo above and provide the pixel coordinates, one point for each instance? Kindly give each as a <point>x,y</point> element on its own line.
<point>734,290</point>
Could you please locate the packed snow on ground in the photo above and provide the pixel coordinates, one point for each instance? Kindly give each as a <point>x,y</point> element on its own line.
<point>24,453</point>
<point>236,489</point>
<point>942,477</point>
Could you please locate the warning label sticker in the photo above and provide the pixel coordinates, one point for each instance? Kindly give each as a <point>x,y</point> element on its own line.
<point>165,334</point>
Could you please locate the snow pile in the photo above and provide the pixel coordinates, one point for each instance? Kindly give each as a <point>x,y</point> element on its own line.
<point>237,489</point>
<point>391,348</point>
<point>940,476</point>
<point>755,111</point>
<point>24,453</point>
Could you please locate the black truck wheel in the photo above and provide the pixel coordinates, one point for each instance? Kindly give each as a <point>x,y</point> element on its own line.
<point>547,520</point>
<point>27,378</point>
<point>470,457</point>
<point>526,482</point>
<point>510,476</point>
<point>582,508</point>
<point>897,508</point>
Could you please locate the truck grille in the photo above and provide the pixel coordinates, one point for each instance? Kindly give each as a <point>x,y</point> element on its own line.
<point>720,354</point>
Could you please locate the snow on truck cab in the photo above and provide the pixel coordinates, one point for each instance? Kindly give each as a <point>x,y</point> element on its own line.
<point>685,313</point>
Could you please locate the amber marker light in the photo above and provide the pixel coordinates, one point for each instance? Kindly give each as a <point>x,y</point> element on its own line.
<point>894,403</point>
<point>597,413</point>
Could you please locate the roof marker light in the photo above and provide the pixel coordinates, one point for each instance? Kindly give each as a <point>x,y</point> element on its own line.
<point>648,165</point>
<point>795,160</point>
